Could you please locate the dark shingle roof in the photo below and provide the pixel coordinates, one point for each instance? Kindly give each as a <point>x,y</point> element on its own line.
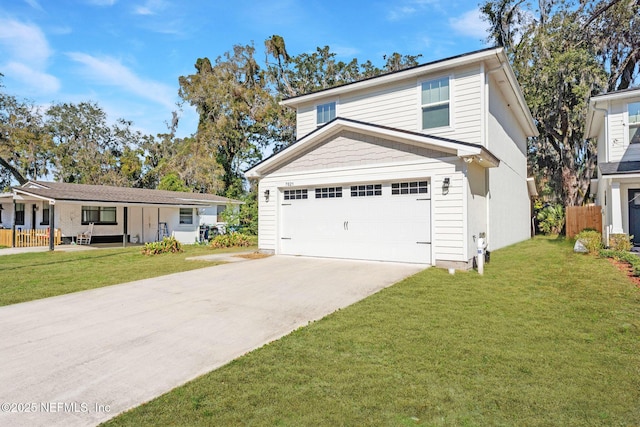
<point>614,168</point>
<point>105,193</point>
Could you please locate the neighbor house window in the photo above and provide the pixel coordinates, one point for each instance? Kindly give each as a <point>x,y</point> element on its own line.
<point>413,187</point>
<point>634,123</point>
<point>19,213</point>
<point>186,216</point>
<point>295,194</point>
<point>219,211</point>
<point>435,103</point>
<point>99,215</point>
<point>45,213</point>
<point>325,113</point>
<point>366,190</point>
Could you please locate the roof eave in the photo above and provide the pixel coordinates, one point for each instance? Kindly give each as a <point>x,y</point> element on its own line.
<point>453,62</point>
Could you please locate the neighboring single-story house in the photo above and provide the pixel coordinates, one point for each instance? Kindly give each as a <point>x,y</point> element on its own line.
<point>410,166</point>
<point>139,214</point>
<point>614,119</point>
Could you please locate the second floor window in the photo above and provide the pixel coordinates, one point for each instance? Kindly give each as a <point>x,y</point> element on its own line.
<point>325,113</point>
<point>435,104</point>
<point>634,123</point>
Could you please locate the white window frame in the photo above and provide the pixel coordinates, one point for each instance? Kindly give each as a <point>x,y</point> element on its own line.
<point>634,124</point>
<point>450,102</point>
<point>183,216</point>
<point>315,110</point>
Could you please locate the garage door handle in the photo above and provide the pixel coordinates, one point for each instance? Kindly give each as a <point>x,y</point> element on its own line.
<point>423,243</point>
<point>345,225</point>
<point>285,238</point>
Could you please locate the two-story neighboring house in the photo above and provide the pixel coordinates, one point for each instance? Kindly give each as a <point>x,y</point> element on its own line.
<point>614,119</point>
<point>410,166</point>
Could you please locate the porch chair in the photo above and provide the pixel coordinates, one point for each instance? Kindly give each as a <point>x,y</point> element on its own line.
<point>85,238</point>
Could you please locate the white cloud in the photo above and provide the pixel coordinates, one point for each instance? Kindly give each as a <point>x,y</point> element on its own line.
<point>38,81</point>
<point>345,51</point>
<point>102,2</point>
<point>470,24</point>
<point>26,52</point>
<point>34,4</point>
<point>109,71</point>
<point>150,7</point>
<point>25,42</point>
<point>408,8</point>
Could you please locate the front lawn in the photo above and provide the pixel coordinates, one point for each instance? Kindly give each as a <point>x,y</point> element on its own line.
<point>35,275</point>
<point>545,337</point>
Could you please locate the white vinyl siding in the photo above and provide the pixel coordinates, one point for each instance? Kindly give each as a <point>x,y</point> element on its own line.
<point>634,123</point>
<point>398,104</point>
<point>620,121</point>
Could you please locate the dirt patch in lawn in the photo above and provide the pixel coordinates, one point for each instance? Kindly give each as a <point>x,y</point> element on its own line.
<point>627,269</point>
<point>254,255</point>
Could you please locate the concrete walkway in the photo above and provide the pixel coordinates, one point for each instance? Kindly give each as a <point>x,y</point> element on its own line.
<point>80,359</point>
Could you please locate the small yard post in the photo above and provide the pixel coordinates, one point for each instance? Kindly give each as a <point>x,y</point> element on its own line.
<point>13,225</point>
<point>52,225</point>
<point>126,224</point>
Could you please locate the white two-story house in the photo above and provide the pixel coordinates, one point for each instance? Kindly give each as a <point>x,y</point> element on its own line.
<point>411,166</point>
<point>614,119</point>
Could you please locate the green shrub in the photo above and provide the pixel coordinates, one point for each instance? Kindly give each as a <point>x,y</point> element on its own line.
<point>620,242</point>
<point>232,240</point>
<point>167,245</point>
<point>628,257</point>
<point>551,219</point>
<point>591,239</point>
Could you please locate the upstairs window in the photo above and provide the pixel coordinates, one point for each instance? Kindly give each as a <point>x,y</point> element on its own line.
<point>634,123</point>
<point>325,113</point>
<point>435,103</point>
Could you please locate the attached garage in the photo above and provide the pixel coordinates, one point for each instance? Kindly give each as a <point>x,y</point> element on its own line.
<point>388,221</point>
<point>359,191</point>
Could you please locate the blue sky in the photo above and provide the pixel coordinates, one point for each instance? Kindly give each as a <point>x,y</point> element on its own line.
<point>127,55</point>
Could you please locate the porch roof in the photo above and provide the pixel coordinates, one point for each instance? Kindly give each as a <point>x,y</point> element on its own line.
<point>619,168</point>
<point>58,191</point>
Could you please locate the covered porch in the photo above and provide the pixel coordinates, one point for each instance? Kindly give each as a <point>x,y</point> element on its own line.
<point>619,195</point>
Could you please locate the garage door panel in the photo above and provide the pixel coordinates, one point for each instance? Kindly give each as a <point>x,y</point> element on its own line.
<point>385,227</point>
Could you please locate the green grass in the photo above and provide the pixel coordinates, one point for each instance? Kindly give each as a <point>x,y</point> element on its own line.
<point>35,275</point>
<point>545,338</point>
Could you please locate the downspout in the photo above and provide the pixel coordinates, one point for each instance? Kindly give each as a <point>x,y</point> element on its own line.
<point>606,229</point>
<point>13,225</point>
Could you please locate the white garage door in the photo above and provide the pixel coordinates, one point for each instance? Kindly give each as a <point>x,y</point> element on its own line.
<point>374,221</point>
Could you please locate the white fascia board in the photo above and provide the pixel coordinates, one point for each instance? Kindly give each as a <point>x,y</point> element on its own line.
<point>622,176</point>
<point>393,77</point>
<point>615,96</point>
<point>26,193</point>
<point>517,91</point>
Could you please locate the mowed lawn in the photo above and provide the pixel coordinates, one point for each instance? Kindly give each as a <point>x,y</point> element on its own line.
<point>35,275</point>
<point>545,338</point>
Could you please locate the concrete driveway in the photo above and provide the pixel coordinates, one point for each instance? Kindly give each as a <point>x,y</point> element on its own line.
<point>82,358</point>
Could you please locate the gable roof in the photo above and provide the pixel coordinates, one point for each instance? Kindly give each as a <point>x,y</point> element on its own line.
<point>494,58</point>
<point>58,191</point>
<point>473,152</point>
<point>595,115</point>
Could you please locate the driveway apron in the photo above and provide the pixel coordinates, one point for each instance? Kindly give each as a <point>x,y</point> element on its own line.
<point>82,358</point>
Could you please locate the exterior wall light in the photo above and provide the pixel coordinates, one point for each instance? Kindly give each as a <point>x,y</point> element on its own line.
<point>445,186</point>
<point>266,195</point>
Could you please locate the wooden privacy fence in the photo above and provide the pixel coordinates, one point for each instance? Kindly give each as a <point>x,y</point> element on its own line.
<point>29,238</point>
<point>580,217</point>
